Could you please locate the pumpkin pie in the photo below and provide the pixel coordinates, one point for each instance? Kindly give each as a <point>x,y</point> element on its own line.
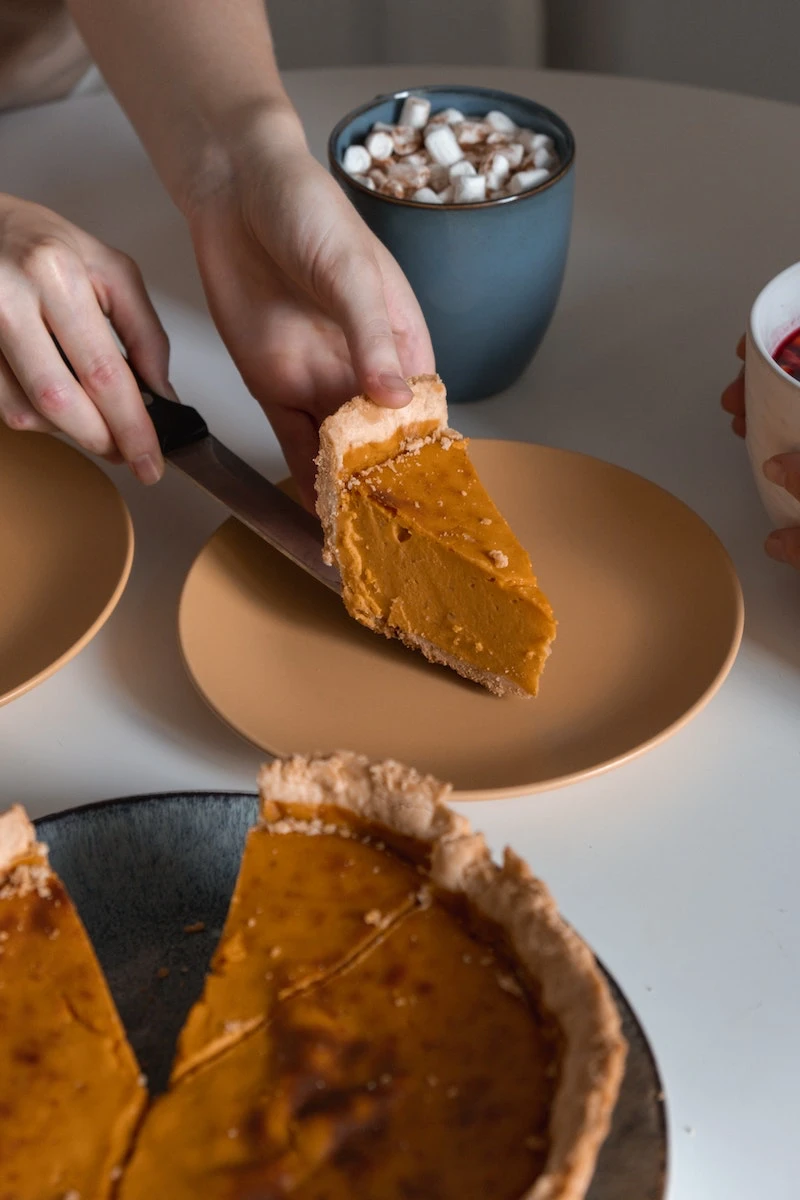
<point>411,1019</point>
<point>70,1089</point>
<point>424,554</point>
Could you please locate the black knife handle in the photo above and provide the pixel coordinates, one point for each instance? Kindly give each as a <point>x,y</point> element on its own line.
<point>176,425</point>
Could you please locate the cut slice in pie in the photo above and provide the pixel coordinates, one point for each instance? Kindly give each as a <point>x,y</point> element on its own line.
<point>468,1048</point>
<point>303,907</point>
<point>424,554</point>
<point>70,1089</point>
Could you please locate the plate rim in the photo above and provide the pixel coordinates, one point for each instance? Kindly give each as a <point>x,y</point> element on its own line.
<point>555,783</point>
<point>74,649</point>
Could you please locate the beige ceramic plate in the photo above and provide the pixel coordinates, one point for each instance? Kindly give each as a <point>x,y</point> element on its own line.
<point>650,618</point>
<point>66,547</point>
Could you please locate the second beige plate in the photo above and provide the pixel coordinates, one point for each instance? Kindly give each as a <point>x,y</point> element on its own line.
<point>66,547</point>
<point>650,619</point>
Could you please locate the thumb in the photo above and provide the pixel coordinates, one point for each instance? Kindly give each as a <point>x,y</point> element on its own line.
<point>359,306</point>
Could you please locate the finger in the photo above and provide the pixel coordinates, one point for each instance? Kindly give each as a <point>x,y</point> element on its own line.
<point>784,470</point>
<point>125,301</point>
<point>297,433</point>
<point>46,381</point>
<point>359,305</point>
<point>16,411</point>
<point>74,315</point>
<point>732,398</point>
<point>739,426</point>
<point>741,347</point>
<point>408,322</point>
<point>784,546</point>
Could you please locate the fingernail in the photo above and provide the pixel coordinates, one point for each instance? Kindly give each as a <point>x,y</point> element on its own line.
<point>774,547</point>
<point>146,469</point>
<point>394,383</point>
<point>775,472</point>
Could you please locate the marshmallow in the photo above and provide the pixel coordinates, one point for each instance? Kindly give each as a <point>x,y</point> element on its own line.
<point>409,175</point>
<point>442,146</point>
<point>440,177</point>
<point>497,171</point>
<point>469,189</point>
<point>426,195</point>
<point>542,158</point>
<point>378,176</point>
<point>462,167</point>
<point>365,181</point>
<point>394,187</point>
<point>447,116</point>
<point>380,145</point>
<point>514,152</point>
<point>356,160</point>
<point>446,195</point>
<point>500,122</point>
<point>415,112</point>
<point>524,181</point>
<point>532,140</point>
<point>406,139</point>
<point>382,127</point>
<point>469,133</point>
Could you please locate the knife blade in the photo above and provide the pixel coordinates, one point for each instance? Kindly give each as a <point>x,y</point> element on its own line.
<point>189,447</point>
<point>259,504</point>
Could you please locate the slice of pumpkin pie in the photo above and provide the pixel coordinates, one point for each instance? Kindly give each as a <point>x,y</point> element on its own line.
<point>70,1089</point>
<point>424,554</point>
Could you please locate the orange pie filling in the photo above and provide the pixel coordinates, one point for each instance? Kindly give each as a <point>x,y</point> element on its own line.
<point>70,1089</point>
<point>417,1067</point>
<point>426,555</point>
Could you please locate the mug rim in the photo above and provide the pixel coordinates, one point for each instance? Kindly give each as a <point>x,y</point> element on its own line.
<point>342,176</point>
<point>752,330</point>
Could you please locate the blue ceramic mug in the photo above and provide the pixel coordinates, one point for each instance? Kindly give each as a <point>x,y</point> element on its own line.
<point>486,275</point>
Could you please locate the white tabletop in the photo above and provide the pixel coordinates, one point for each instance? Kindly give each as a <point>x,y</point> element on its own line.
<point>679,868</point>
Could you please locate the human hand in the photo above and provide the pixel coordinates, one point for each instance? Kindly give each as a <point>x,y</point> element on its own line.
<point>733,396</point>
<point>57,281</point>
<point>312,308</point>
<point>784,470</point>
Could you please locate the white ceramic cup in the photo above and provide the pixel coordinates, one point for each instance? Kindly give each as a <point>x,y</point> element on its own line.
<point>772,398</point>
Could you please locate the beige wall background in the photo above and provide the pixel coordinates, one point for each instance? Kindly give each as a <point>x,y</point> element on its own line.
<point>741,45</point>
<point>316,33</point>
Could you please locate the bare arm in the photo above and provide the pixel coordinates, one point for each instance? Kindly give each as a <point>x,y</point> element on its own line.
<point>196,77</point>
<point>311,306</point>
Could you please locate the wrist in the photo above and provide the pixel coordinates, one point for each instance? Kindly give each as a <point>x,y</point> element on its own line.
<point>224,151</point>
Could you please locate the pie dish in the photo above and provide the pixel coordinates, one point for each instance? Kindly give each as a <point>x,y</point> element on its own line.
<point>424,554</point>
<point>388,1013</point>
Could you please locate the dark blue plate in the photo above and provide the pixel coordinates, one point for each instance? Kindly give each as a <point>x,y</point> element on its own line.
<point>141,870</point>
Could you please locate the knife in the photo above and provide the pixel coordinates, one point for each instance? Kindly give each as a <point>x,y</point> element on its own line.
<point>189,446</point>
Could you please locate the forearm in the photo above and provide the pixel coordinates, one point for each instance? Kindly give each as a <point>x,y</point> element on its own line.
<point>196,77</point>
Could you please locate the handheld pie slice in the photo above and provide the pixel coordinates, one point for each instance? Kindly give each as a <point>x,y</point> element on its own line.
<point>424,553</point>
